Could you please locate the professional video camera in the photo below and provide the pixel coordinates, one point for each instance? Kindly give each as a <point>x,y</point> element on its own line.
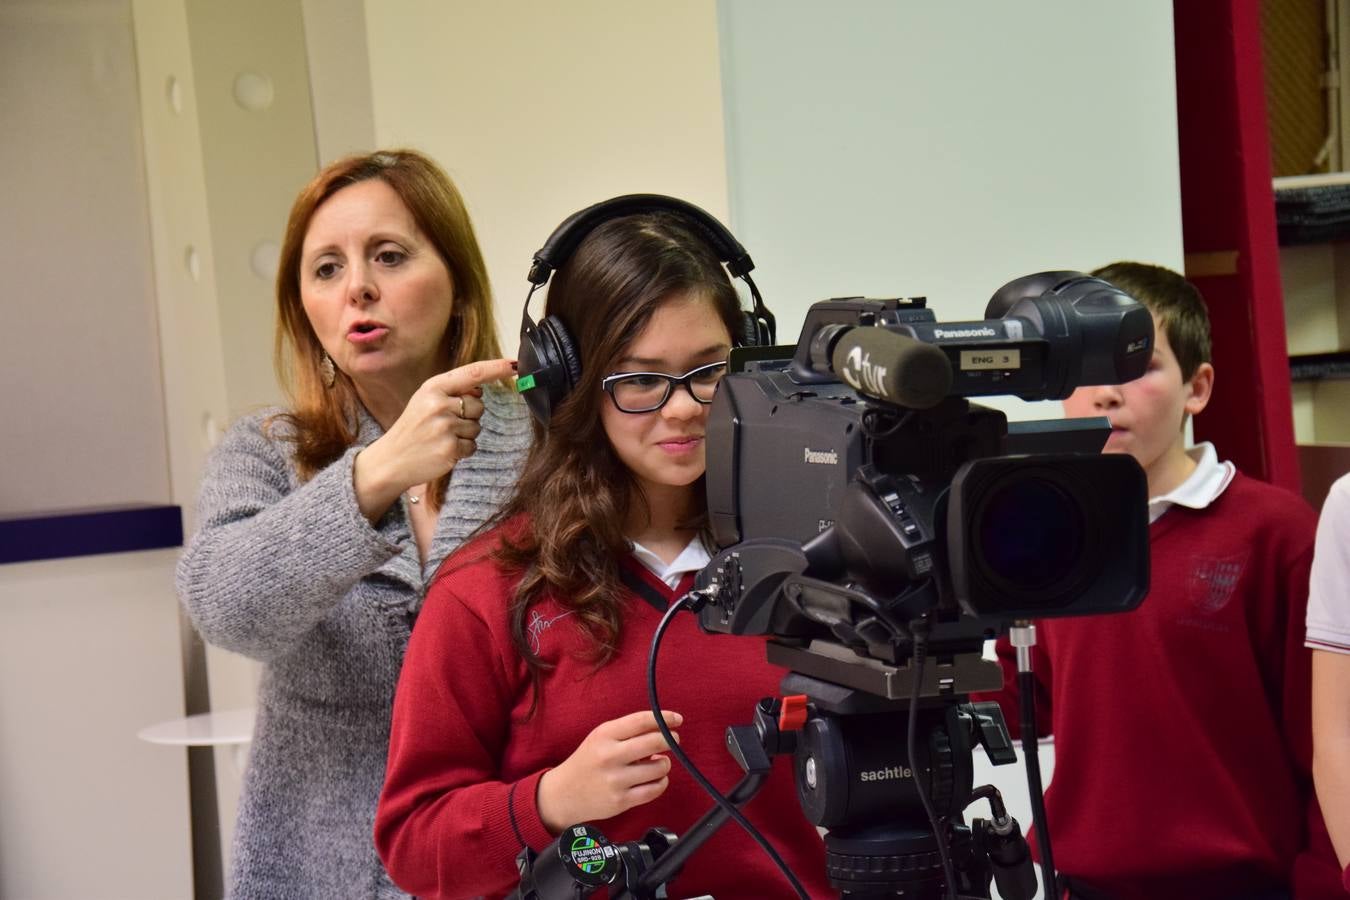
<point>861,453</point>
<point>879,528</point>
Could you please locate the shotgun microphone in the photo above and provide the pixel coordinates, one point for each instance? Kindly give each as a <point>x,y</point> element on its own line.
<point>883,365</point>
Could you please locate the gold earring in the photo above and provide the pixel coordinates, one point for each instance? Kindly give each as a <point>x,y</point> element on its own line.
<point>327,370</point>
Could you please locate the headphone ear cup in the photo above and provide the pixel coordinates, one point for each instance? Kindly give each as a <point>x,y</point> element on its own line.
<point>535,371</point>
<point>566,351</point>
<point>549,364</point>
<point>749,330</point>
<point>758,332</point>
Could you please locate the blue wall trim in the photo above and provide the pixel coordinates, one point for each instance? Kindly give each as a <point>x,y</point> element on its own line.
<point>84,532</point>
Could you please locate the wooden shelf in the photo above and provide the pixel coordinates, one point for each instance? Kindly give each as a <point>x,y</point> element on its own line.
<point>1319,366</point>
<point>1312,209</point>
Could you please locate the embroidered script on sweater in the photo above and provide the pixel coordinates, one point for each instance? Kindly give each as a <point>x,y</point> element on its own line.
<point>538,625</point>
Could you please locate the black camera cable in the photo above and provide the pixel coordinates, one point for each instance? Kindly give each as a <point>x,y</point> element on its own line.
<point>918,630</point>
<point>687,602</point>
<point>873,428</point>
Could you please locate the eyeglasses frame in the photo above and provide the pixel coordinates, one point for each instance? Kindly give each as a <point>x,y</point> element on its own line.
<point>672,381</point>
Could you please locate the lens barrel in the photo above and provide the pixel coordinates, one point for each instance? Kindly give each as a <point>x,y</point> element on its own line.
<point>1048,535</point>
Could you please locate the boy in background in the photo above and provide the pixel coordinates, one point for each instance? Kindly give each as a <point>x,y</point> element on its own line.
<point>1182,735</point>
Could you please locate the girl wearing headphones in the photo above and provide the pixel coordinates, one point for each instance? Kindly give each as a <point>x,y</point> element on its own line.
<point>522,706</point>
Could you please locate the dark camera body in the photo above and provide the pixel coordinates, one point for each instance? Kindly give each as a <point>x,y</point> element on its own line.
<point>941,510</point>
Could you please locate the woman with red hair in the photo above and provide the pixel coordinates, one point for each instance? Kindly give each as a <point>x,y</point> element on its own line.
<point>319,526</point>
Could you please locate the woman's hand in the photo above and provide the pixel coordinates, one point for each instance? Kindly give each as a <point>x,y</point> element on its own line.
<point>621,764</point>
<point>437,429</point>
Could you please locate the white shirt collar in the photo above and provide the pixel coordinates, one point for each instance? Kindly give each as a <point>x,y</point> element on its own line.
<point>691,559</point>
<point>1204,485</point>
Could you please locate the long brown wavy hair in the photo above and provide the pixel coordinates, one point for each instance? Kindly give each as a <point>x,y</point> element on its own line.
<point>323,420</point>
<point>575,491</point>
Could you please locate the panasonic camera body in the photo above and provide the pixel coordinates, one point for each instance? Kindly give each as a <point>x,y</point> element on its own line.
<point>859,447</point>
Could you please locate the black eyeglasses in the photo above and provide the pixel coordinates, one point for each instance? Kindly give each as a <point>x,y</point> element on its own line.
<point>641,392</point>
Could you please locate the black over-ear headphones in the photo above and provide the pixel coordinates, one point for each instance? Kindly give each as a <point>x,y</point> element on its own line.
<point>549,363</point>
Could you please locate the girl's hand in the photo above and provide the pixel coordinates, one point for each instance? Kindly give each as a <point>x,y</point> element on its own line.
<point>621,764</point>
<point>437,429</point>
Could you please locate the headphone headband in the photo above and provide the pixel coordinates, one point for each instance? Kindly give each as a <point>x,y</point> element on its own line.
<point>549,360</point>
<point>565,238</point>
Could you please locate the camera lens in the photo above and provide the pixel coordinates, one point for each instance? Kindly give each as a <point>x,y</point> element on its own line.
<point>1030,534</point>
<point>1048,535</point>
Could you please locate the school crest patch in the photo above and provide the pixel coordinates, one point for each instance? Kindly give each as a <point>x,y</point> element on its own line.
<point>1213,582</point>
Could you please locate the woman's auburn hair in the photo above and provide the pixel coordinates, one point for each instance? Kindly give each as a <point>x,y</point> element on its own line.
<point>323,420</point>
<point>574,491</point>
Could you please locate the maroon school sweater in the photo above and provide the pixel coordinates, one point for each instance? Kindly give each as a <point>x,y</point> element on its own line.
<point>1182,733</point>
<point>464,744</point>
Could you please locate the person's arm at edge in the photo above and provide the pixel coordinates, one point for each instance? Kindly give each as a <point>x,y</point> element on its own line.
<point>1328,691</point>
<point>266,563</point>
<point>1331,745</point>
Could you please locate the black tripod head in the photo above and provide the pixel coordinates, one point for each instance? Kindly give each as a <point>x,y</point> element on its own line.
<point>857,780</point>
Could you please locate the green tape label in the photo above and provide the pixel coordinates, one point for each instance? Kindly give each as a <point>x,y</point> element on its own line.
<point>524,383</point>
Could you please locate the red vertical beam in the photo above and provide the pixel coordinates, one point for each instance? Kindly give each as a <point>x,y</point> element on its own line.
<point>1228,227</point>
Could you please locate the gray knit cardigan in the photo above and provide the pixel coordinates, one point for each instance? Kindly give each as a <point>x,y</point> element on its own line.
<point>293,575</point>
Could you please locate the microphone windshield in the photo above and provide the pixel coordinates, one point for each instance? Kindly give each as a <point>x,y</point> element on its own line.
<point>892,367</point>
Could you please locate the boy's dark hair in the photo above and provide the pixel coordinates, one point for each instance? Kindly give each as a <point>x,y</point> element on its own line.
<point>1174,300</point>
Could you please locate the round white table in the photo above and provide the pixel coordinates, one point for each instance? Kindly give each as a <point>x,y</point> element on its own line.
<point>227,728</point>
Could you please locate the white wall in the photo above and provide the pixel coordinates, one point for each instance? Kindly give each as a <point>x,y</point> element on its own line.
<point>80,367</point>
<point>339,77</point>
<point>88,657</point>
<point>539,109</point>
<point>152,151</point>
<point>89,648</point>
<point>878,149</point>
<point>256,139</point>
<point>943,149</point>
<point>224,163</point>
<point>1317,319</point>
